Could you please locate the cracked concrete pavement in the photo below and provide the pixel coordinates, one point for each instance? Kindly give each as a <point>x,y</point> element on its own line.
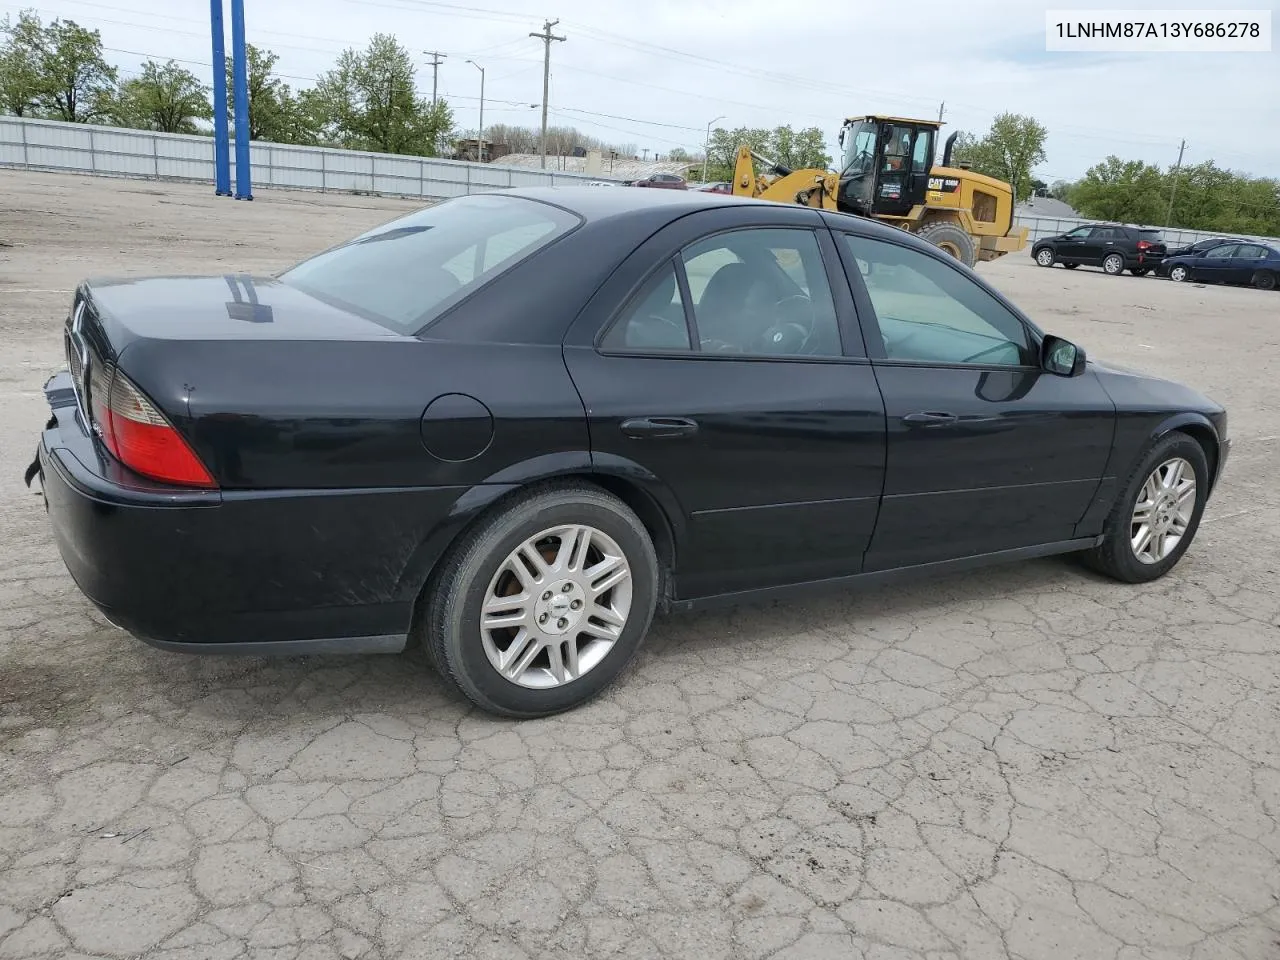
<point>1024,762</point>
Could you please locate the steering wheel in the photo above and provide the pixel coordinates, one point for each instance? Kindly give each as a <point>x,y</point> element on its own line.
<point>794,318</point>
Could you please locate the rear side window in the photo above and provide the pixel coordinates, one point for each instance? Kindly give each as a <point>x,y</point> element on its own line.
<point>405,273</point>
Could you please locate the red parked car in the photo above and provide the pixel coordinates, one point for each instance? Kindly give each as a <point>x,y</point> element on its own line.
<point>664,181</point>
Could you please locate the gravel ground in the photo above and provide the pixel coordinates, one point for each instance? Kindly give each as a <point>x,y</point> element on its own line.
<point>1023,762</point>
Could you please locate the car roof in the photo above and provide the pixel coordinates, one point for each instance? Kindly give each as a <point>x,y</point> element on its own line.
<point>593,204</point>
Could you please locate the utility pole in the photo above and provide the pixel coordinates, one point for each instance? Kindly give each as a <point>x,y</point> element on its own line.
<point>1173,189</point>
<point>546,36</point>
<point>480,135</point>
<point>436,59</point>
<point>706,148</point>
<point>942,108</point>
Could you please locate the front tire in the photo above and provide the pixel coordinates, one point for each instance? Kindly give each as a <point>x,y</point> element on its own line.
<point>1113,264</point>
<point>1179,274</point>
<point>1156,516</point>
<point>540,607</point>
<point>951,239</point>
<point>1045,256</point>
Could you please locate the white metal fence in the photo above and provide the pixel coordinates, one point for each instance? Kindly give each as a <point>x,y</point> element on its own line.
<point>117,151</point>
<point>1052,226</point>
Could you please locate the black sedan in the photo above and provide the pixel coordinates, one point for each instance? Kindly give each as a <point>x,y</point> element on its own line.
<point>511,426</point>
<point>1232,262</point>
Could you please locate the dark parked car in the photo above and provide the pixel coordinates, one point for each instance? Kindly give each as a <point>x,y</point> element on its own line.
<point>721,186</point>
<point>1112,246</point>
<point>663,181</point>
<point>1245,263</point>
<point>511,426</point>
<point>1200,246</point>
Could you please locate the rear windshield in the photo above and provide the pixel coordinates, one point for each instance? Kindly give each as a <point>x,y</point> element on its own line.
<point>405,273</point>
<point>1153,235</point>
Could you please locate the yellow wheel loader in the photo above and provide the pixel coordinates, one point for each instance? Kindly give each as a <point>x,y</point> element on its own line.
<point>887,173</point>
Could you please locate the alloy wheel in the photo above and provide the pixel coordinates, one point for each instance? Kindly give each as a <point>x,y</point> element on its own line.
<point>1113,264</point>
<point>1178,273</point>
<point>1163,511</point>
<point>1045,257</point>
<point>556,606</point>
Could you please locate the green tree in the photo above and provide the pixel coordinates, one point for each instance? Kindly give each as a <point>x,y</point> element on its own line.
<point>1128,191</point>
<point>77,83</point>
<point>21,81</point>
<point>275,113</point>
<point>369,102</point>
<point>1008,151</point>
<point>799,148</point>
<point>165,97</point>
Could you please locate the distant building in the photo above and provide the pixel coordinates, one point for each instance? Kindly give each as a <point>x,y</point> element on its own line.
<point>603,165</point>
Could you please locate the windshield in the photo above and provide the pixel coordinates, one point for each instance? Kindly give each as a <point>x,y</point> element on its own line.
<point>405,273</point>
<point>859,147</point>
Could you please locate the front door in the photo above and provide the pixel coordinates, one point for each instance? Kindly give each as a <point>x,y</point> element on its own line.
<point>1071,245</point>
<point>986,452</point>
<point>1215,266</point>
<point>722,368</point>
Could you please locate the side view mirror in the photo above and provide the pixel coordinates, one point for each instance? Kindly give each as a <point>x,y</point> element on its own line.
<point>1061,357</point>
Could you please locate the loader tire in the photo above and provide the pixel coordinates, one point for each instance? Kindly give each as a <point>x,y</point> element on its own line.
<point>951,239</point>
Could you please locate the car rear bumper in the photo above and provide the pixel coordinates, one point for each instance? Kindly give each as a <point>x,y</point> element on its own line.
<point>255,572</point>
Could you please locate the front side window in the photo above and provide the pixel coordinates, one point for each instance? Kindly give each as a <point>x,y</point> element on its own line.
<point>1079,233</point>
<point>929,312</point>
<point>1222,252</point>
<point>762,292</point>
<point>403,273</point>
<point>753,293</point>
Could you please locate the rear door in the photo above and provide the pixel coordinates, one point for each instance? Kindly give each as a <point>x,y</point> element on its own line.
<point>986,452</point>
<point>1246,261</point>
<point>722,367</point>
<point>1089,248</point>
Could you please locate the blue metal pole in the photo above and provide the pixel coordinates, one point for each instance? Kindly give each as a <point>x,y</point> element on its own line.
<point>221,145</point>
<point>240,69</point>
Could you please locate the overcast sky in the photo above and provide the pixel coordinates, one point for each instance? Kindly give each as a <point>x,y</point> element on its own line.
<point>655,72</point>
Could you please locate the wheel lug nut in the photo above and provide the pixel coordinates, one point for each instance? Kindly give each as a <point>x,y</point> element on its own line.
<point>567,587</point>
<point>542,618</point>
<point>562,623</point>
<point>547,595</point>
<point>575,605</point>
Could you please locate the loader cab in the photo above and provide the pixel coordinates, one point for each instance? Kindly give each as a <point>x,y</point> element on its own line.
<point>885,164</point>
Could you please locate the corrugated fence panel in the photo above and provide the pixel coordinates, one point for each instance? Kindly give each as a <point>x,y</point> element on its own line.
<point>115,151</point>
<point>443,180</point>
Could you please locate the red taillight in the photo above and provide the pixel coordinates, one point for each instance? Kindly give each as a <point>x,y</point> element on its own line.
<point>138,435</point>
<point>1144,244</point>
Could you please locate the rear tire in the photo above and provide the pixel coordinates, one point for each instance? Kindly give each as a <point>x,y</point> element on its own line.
<point>544,638</point>
<point>1113,264</point>
<point>951,239</point>
<point>1046,257</point>
<point>1172,522</point>
<point>1264,280</point>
